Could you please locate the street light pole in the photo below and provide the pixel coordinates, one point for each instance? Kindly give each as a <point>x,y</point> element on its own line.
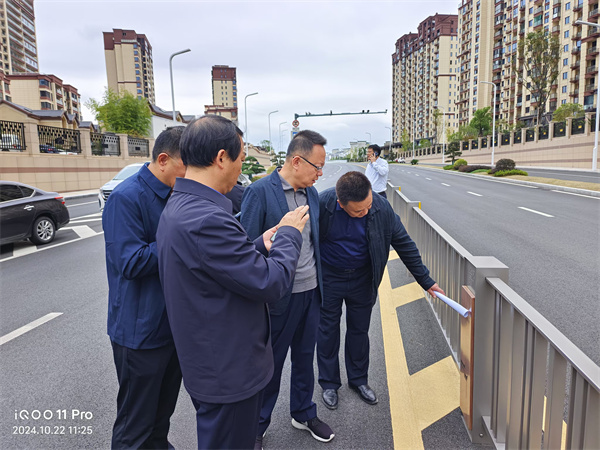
<point>271,143</point>
<point>280,135</point>
<point>595,151</point>
<point>443,133</point>
<point>366,132</point>
<point>171,71</point>
<point>493,118</point>
<point>246,120</point>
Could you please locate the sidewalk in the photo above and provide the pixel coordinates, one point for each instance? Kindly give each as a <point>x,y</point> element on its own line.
<point>79,194</point>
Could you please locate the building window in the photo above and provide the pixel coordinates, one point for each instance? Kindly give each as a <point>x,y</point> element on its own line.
<point>564,89</point>
<point>566,62</point>
<point>567,6</point>
<point>567,33</point>
<point>139,91</point>
<point>565,74</point>
<point>567,20</point>
<point>562,102</point>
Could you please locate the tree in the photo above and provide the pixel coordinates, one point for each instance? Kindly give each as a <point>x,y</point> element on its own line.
<point>453,151</point>
<point>122,113</point>
<point>481,122</point>
<point>464,133</point>
<point>537,67</point>
<point>563,112</point>
<point>266,144</point>
<point>278,159</point>
<point>405,141</point>
<point>424,143</point>
<point>437,123</point>
<point>251,166</point>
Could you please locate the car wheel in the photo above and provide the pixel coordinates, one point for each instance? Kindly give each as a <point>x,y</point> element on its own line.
<point>43,231</point>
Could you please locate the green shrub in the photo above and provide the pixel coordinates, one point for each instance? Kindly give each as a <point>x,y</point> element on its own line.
<point>414,162</point>
<point>504,173</point>
<point>449,167</point>
<point>481,171</point>
<point>505,164</point>
<point>470,169</point>
<point>460,162</point>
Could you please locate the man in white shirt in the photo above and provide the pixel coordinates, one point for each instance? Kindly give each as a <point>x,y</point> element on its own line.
<point>377,170</point>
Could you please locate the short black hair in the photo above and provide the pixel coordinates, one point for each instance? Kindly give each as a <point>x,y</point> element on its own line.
<point>376,148</point>
<point>304,142</point>
<point>352,187</point>
<point>168,142</point>
<point>205,136</point>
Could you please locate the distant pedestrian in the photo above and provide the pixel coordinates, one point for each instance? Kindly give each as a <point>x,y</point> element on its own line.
<point>377,170</point>
<point>295,315</point>
<point>217,283</point>
<point>147,366</point>
<point>356,231</point>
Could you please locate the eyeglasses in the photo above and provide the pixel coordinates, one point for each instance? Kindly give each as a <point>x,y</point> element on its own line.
<point>316,167</point>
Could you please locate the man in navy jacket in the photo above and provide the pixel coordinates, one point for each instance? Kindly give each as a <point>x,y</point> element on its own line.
<point>216,283</point>
<point>147,367</point>
<point>295,315</point>
<point>356,231</point>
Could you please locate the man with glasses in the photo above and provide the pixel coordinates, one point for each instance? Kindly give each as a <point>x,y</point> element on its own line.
<point>294,318</point>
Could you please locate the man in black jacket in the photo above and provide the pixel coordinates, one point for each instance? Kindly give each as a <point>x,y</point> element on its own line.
<point>356,231</point>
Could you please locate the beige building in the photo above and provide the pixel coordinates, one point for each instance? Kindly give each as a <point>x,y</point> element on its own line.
<point>497,26</point>
<point>425,79</point>
<point>224,93</point>
<point>129,65</point>
<point>18,48</point>
<point>38,91</point>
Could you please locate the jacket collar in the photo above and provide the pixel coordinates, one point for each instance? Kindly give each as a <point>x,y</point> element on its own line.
<point>159,188</point>
<point>187,186</point>
<point>275,180</point>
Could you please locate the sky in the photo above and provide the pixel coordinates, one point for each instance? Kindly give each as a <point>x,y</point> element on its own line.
<point>300,56</point>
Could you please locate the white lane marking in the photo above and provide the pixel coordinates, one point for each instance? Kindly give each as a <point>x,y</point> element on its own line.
<point>428,178</point>
<point>80,204</point>
<point>83,231</point>
<point>416,174</point>
<point>535,212</point>
<point>26,250</point>
<point>474,193</point>
<point>48,247</point>
<point>30,326</point>
<point>445,184</point>
<point>83,221</point>
<point>578,195</point>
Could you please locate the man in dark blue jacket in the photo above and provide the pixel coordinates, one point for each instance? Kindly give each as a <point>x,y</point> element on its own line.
<point>295,315</point>
<point>147,366</point>
<point>356,231</point>
<point>217,282</point>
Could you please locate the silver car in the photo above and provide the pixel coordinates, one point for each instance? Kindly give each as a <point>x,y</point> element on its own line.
<point>125,173</point>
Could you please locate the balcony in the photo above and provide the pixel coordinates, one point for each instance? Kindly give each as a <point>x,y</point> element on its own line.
<point>578,5</point>
<point>591,71</point>
<point>593,14</point>
<point>576,36</point>
<point>574,93</point>
<point>575,79</point>
<point>590,88</point>
<point>575,65</point>
<point>556,16</point>
<point>592,51</point>
<point>575,50</point>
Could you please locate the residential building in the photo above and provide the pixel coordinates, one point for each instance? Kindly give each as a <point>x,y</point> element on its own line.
<point>224,93</point>
<point>18,47</point>
<point>129,65</point>
<point>424,78</point>
<point>4,87</point>
<point>38,91</point>
<point>497,26</point>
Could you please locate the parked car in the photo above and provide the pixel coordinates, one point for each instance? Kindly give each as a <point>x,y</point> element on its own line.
<point>45,148</point>
<point>12,142</point>
<point>244,180</point>
<point>30,213</point>
<point>125,173</point>
<point>400,160</point>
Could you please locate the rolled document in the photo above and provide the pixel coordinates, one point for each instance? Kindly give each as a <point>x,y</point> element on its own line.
<point>452,304</point>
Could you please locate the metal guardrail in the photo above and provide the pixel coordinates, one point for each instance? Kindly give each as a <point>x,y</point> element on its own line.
<point>532,387</point>
<point>59,140</point>
<point>138,147</point>
<point>105,144</point>
<point>12,136</point>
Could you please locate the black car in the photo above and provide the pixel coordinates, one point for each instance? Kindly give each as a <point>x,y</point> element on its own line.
<point>30,213</point>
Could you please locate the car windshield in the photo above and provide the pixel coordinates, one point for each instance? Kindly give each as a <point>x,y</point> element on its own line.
<point>126,172</point>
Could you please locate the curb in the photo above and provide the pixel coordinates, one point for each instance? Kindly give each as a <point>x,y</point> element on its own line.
<point>546,187</point>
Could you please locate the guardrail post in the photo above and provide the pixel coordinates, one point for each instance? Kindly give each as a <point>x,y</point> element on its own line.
<point>86,143</point>
<point>478,269</point>
<point>124,143</point>
<point>32,138</point>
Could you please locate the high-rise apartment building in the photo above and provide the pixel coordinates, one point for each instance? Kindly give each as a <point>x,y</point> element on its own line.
<point>129,65</point>
<point>224,93</point>
<point>18,45</point>
<point>489,36</point>
<point>43,92</point>
<point>425,79</point>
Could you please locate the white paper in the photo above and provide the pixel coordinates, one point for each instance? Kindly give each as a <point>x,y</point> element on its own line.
<point>452,304</point>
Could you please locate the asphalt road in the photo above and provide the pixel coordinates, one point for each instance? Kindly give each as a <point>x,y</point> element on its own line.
<point>549,240</point>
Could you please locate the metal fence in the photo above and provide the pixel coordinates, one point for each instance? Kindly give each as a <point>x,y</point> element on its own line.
<point>531,385</point>
<point>105,144</point>
<point>138,147</point>
<point>59,140</point>
<point>12,135</point>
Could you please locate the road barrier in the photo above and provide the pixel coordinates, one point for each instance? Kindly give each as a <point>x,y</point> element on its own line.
<point>523,383</point>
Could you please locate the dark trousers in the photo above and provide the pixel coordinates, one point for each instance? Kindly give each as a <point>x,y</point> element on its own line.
<point>228,425</point>
<point>295,329</point>
<point>149,382</point>
<point>383,194</point>
<point>353,288</point>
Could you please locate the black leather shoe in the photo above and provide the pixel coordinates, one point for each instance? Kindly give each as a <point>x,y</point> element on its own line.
<point>330,398</point>
<point>366,393</point>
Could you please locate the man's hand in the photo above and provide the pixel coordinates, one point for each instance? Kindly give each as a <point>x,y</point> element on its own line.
<point>296,218</point>
<point>267,236</point>
<point>435,288</point>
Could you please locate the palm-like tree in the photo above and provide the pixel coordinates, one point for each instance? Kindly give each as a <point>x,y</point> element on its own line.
<point>482,121</point>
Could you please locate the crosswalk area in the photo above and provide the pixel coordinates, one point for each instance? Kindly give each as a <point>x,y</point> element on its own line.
<point>80,228</point>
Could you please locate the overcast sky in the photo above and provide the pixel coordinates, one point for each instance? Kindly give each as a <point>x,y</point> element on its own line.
<point>299,56</point>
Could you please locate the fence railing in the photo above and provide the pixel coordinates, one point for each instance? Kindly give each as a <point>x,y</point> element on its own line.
<point>105,144</point>
<point>12,136</point>
<point>138,147</point>
<point>59,140</point>
<point>531,385</point>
